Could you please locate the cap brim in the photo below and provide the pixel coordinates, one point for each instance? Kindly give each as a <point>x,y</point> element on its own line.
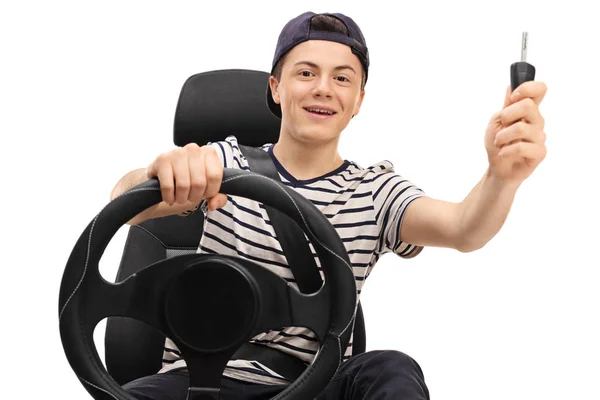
<point>274,107</point>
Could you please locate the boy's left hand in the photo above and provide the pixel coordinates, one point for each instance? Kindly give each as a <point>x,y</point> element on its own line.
<point>515,140</point>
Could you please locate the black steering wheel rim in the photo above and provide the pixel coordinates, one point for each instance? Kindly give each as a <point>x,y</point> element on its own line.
<point>82,267</point>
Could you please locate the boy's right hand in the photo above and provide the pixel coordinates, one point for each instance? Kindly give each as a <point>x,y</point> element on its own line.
<point>189,174</point>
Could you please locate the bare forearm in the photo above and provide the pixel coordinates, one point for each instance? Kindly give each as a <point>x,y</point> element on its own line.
<point>131,179</point>
<point>484,211</point>
<point>128,181</point>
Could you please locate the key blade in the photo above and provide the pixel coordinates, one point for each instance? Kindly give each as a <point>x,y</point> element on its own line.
<point>524,47</point>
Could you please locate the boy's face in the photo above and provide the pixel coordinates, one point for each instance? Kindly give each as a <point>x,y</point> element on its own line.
<point>318,76</point>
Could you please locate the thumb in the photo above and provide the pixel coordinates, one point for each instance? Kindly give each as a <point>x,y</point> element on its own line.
<point>507,101</point>
<point>218,201</point>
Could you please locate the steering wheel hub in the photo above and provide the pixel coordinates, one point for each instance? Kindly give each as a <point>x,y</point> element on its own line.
<point>212,305</point>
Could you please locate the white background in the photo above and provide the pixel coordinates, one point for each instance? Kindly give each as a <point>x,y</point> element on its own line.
<point>88,92</point>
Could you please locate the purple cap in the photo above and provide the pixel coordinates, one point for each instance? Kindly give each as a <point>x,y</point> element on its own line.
<point>298,30</point>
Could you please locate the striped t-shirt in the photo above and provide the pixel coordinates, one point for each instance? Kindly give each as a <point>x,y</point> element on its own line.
<point>365,205</point>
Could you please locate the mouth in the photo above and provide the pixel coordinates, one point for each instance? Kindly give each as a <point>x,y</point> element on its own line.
<point>320,112</point>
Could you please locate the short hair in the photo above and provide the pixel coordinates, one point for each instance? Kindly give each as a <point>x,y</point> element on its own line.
<point>326,23</point>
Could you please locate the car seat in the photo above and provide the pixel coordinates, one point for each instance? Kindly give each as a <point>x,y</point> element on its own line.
<point>211,106</point>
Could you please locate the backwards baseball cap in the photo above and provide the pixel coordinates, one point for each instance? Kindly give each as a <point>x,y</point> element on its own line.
<point>298,30</point>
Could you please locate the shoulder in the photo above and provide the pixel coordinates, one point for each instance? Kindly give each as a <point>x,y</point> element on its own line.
<point>373,174</point>
<point>381,168</point>
<point>385,184</point>
<point>376,168</point>
<point>358,180</point>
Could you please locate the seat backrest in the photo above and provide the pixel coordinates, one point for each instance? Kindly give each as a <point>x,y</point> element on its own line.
<point>211,106</point>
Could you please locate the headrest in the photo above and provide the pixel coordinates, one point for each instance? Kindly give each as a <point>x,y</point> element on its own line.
<point>213,105</point>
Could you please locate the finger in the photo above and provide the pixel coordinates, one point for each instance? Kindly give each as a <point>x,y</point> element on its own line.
<point>162,169</point>
<point>524,109</point>
<point>217,201</point>
<point>518,131</point>
<point>197,174</point>
<point>524,150</point>
<point>181,173</point>
<point>534,90</point>
<point>214,172</point>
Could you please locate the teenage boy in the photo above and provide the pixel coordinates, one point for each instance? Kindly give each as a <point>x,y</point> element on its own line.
<point>317,85</point>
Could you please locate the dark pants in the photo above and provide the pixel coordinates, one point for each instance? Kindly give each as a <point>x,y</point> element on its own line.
<point>374,375</point>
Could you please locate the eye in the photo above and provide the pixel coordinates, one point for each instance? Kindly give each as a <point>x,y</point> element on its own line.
<point>342,79</point>
<point>306,74</point>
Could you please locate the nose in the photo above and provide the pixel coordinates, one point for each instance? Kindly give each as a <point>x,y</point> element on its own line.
<point>323,87</point>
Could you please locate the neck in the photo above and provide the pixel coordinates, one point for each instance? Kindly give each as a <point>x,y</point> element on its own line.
<point>307,160</point>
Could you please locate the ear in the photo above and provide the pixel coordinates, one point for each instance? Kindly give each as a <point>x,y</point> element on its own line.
<point>358,104</point>
<point>274,85</point>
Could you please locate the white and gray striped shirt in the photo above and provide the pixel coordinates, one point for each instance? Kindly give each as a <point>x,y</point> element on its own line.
<point>365,205</point>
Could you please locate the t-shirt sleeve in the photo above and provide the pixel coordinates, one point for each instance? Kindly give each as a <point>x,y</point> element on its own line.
<point>229,153</point>
<point>392,194</point>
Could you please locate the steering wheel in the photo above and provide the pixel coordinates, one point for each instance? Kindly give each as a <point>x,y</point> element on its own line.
<point>208,304</point>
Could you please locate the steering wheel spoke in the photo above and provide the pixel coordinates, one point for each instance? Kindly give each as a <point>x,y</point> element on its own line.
<point>142,295</point>
<point>311,311</point>
<point>205,372</point>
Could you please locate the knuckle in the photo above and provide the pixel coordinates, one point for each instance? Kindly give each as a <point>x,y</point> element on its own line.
<point>191,146</point>
<point>519,148</point>
<point>198,185</point>
<point>523,130</point>
<point>199,180</point>
<point>166,193</point>
<point>183,184</point>
<point>162,158</point>
<point>520,128</point>
<point>214,175</point>
<point>168,157</point>
<point>192,149</point>
<point>529,104</point>
<point>167,184</point>
<point>178,152</point>
<point>212,185</point>
<point>209,151</point>
<point>166,188</point>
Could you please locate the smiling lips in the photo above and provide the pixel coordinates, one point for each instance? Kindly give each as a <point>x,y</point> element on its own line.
<point>320,112</point>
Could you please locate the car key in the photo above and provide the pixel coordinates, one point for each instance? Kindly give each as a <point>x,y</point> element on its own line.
<point>521,71</point>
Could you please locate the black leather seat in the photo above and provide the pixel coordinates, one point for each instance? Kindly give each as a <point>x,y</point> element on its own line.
<point>211,106</point>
